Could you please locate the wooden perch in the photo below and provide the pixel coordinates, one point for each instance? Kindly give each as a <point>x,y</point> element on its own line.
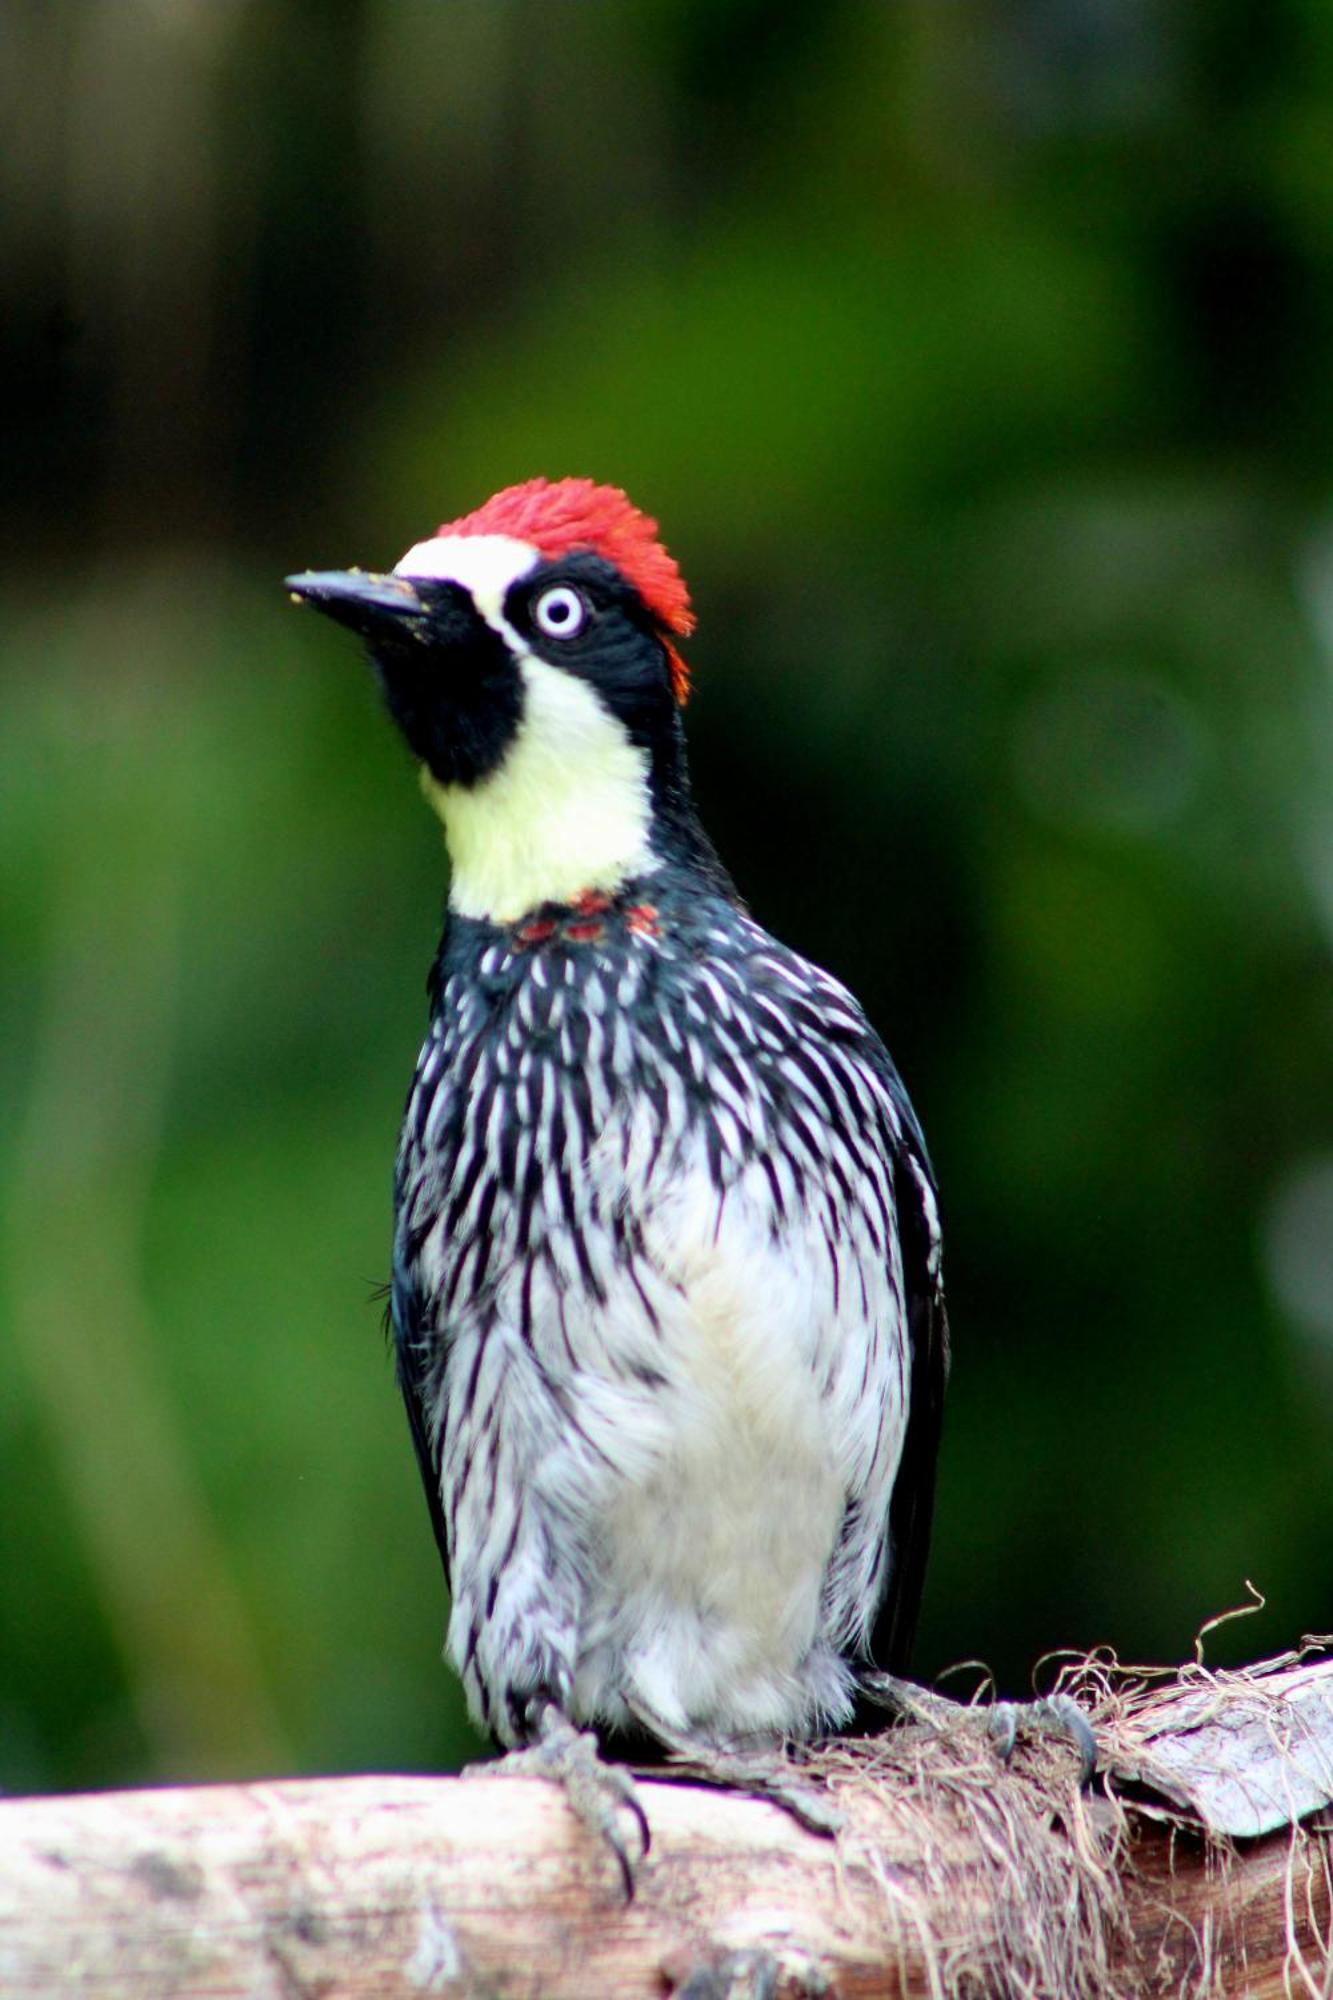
<point>954,1875</point>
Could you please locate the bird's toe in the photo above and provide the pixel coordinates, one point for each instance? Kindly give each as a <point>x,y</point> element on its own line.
<point>602,1796</point>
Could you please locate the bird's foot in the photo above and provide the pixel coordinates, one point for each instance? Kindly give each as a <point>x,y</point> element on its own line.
<point>763,1773</point>
<point>602,1796</point>
<point>1052,1715</point>
<point>1056,1715</point>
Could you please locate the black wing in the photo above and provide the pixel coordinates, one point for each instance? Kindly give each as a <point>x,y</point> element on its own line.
<point>411,1348</point>
<point>913,1500</point>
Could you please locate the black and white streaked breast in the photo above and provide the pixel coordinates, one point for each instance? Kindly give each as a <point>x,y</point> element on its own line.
<point>617,1107</point>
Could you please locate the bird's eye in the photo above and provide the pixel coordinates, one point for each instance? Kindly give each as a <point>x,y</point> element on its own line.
<point>561,612</point>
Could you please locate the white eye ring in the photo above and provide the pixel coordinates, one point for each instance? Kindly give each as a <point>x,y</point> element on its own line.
<point>560,612</point>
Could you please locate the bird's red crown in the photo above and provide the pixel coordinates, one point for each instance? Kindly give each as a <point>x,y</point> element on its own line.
<point>558,516</point>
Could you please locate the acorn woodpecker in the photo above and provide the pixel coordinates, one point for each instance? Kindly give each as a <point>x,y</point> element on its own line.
<point>666,1282</point>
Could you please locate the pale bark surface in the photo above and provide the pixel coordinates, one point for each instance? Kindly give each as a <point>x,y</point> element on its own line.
<point>952,1876</point>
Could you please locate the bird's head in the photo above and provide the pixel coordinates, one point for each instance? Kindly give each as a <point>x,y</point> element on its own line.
<point>529,654</point>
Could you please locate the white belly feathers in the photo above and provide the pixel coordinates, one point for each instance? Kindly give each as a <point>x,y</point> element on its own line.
<point>707,1606</point>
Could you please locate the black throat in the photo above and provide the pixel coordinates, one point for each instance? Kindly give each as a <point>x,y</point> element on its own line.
<point>452,685</point>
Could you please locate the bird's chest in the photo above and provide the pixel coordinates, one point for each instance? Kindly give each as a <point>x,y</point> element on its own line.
<point>551,1101</point>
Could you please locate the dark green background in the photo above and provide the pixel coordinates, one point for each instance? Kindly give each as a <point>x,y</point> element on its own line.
<point>978,361</point>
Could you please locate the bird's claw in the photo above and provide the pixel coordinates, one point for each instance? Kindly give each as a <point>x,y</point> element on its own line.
<point>598,1794</point>
<point>1052,1715</point>
<point>762,1773</point>
<point>758,1777</point>
<point>764,1779</point>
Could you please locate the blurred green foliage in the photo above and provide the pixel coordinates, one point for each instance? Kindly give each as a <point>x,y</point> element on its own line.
<point>976,361</point>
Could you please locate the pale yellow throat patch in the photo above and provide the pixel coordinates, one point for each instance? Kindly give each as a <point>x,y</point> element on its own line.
<point>568,809</point>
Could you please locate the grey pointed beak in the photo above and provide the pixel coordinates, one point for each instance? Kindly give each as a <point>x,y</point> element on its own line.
<point>364,601</point>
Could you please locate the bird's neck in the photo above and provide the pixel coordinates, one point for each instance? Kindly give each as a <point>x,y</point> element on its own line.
<point>569,808</point>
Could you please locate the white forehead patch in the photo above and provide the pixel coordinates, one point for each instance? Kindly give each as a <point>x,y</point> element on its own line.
<point>486,565</point>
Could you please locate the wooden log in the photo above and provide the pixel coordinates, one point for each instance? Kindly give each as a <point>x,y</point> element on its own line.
<point>954,1875</point>
<point>407,1886</point>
